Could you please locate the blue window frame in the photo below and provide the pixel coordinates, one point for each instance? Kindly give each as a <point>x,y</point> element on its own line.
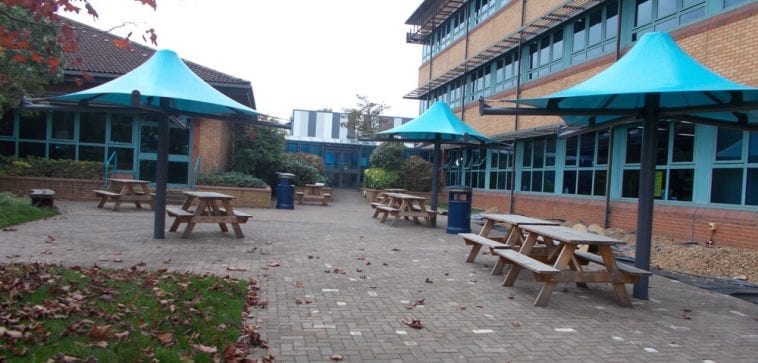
<point>585,165</point>
<point>734,177</point>
<point>538,165</point>
<point>665,15</point>
<point>500,170</point>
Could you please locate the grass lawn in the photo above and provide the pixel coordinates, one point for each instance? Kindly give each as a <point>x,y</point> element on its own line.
<point>15,210</point>
<point>52,313</point>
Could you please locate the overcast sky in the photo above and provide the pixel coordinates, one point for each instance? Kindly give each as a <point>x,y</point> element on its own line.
<point>298,54</point>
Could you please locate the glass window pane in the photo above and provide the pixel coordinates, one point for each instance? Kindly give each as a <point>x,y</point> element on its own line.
<point>599,184</point>
<point>666,8</point>
<point>62,151</point>
<point>558,45</point>
<point>537,181</point>
<point>579,41</point>
<point>33,125</point>
<point>121,127</point>
<point>584,186</point>
<point>545,51</point>
<point>526,180</point>
<point>539,153</point>
<point>692,15</point>
<point>729,144</point>
<point>687,3</point>
<point>550,152</point>
<point>548,186</point>
<point>178,141</point>
<point>631,184</point>
<point>659,185</point>
<point>680,184</point>
<point>684,142</point>
<point>149,139</point>
<point>595,28</point>
<point>92,153</point>
<point>7,148</point>
<point>6,123</point>
<point>602,147</point>
<point>633,145</point>
<point>644,13</point>
<point>147,170</point>
<point>752,154</point>
<point>569,182</point>
<point>63,125</point>
<point>662,153</point>
<point>726,186</point>
<point>587,150</point>
<point>611,21</point>
<point>528,154</point>
<point>124,157</point>
<point>31,149</point>
<point>92,127</point>
<point>752,187</point>
<point>177,172</point>
<point>571,148</point>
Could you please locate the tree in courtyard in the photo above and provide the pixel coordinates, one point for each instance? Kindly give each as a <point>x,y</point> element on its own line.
<point>259,151</point>
<point>33,41</point>
<point>365,118</point>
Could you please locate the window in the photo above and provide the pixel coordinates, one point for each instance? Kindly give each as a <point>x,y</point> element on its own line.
<point>7,123</point>
<point>538,165</point>
<point>545,55</point>
<point>506,71</point>
<point>453,166</point>
<point>734,179</point>
<point>665,15</point>
<point>501,169</point>
<point>585,168</point>
<point>92,127</point>
<point>63,125</point>
<point>121,128</point>
<point>675,169</point>
<point>594,33</point>
<point>33,125</point>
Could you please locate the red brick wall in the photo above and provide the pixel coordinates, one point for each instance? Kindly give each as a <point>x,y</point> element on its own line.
<point>213,143</point>
<point>736,228</point>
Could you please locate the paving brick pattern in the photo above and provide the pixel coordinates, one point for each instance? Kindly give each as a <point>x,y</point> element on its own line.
<point>339,282</point>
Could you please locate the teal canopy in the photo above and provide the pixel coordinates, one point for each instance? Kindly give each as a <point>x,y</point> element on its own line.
<point>164,76</point>
<point>656,80</point>
<point>438,123</point>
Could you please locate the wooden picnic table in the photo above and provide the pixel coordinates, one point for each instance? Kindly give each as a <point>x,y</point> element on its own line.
<point>313,192</point>
<point>403,205</point>
<point>207,210</point>
<point>562,262</point>
<point>125,190</point>
<point>513,238</point>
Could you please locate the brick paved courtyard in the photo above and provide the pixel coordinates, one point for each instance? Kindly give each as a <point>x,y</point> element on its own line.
<point>339,282</point>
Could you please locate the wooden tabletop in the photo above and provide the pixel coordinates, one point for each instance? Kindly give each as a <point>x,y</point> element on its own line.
<point>516,219</point>
<point>404,196</point>
<point>570,235</point>
<point>208,195</point>
<point>129,181</point>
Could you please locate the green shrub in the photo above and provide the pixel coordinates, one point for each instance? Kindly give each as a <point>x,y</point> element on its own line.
<point>378,178</point>
<point>50,168</point>
<point>416,174</point>
<point>312,159</point>
<point>231,179</point>
<point>305,173</point>
<point>258,151</point>
<point>388,155</point>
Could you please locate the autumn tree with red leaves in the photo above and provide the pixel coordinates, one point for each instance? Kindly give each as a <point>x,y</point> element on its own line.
<point>33,40</point>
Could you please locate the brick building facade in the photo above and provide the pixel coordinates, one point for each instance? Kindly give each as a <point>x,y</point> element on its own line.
<point>507,49</point>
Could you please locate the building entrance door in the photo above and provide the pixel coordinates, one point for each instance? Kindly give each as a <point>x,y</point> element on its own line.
<point>178,153</point>
<point>341,164</point>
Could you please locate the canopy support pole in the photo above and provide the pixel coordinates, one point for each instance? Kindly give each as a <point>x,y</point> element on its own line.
<point>435,177</point>
<point>161,176</point>
<point>646,194</point>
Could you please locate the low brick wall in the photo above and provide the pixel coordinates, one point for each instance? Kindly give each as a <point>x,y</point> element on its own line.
<point>736,228</point>
<point>65,189</point>
<point>244,197</point>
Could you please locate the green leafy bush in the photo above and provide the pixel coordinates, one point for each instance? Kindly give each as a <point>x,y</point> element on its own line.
<point>416,174</point>
<point>388,155</point>
<point>50,168</point>
<point>312,159</point>
<point>231,179</point>
<point>259,151</point>
<point>378,178</point>
<point>305,173</point>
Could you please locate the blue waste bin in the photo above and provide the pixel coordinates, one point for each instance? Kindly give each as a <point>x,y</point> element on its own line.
<point>458,209</point>
<point>285,191</point>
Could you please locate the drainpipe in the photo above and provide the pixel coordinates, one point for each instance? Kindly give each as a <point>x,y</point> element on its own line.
<point>465,66</point>
<point>518,95</point>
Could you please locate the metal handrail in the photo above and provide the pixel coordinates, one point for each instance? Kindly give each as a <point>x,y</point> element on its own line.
<point>114,158</point>
<point>194,173</point>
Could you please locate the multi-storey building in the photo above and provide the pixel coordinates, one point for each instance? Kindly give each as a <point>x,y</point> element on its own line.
<point>507,49</point>
<point>325,133</point>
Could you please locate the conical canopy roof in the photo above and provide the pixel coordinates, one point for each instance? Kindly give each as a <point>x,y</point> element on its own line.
<point>165,76</point>
<point>437,123</point>
<point>655,65</point>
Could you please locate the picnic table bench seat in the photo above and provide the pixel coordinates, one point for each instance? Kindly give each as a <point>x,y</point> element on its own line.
<point>42,197</point>
<point>476,242</point>
<point>627,269</point>
<point>105,196</point>
<point>511,256</point>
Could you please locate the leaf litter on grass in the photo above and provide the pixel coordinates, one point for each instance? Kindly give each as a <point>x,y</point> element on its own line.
<point>71,314</point>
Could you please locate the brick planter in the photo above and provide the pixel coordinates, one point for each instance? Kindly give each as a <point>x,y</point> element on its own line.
<point>244,197</point>
<point>66,189</point>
